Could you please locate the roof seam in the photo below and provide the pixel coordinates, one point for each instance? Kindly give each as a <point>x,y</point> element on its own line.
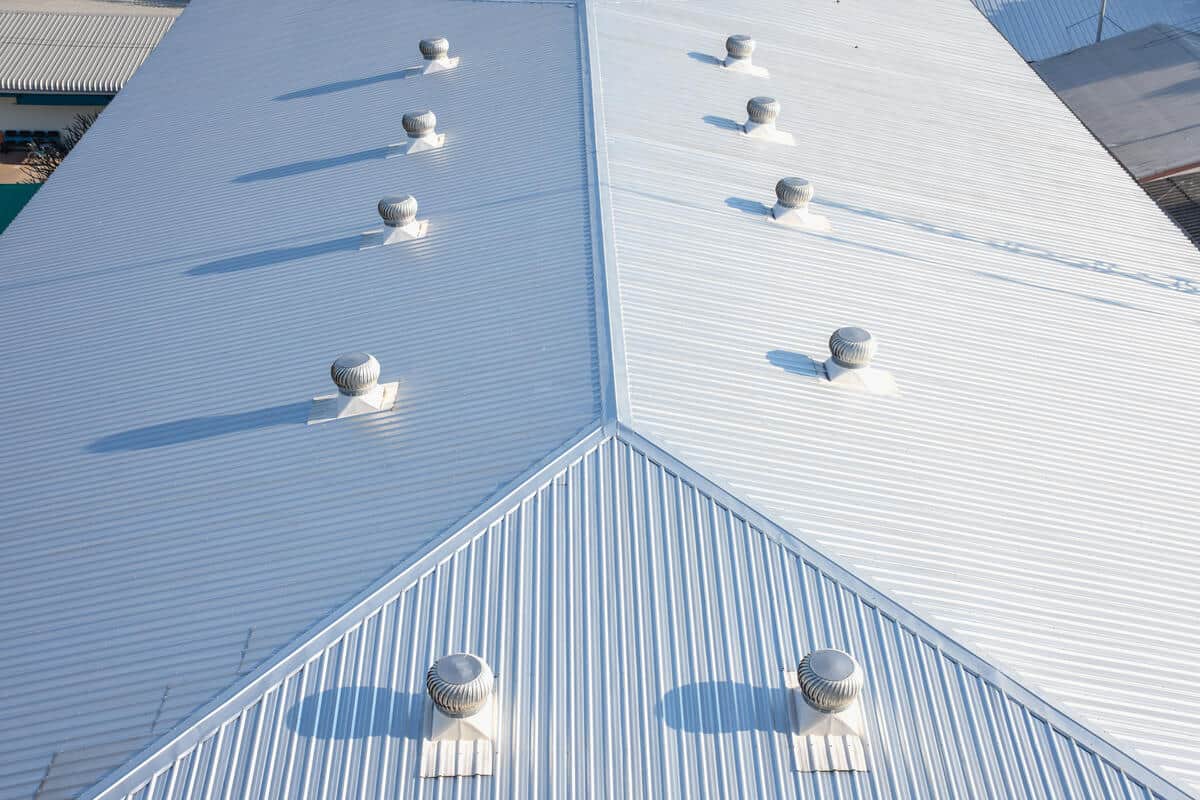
<point>967,656</point>
<point>610,341</point>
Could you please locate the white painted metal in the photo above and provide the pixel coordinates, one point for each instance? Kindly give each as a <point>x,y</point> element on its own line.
<point>641,631</point>
<point>1030,489</point>
<point>160,544</point>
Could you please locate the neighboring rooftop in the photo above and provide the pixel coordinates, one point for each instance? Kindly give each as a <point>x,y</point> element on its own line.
<point>72,53</point>
<point>1139,94</point>
<point>1041,29</point>
<point>598,264</point>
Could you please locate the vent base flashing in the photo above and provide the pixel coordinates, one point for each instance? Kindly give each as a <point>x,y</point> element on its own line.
<point>336,406</point>
<point>800,218</point>
<point>864,379</point>
<point>440,65</point>
<point>822,741</point>
<point>767,132</point>
<point>414,146</point>
<point>745,67</point>
<point>455,747</point>
<point>381,237</point>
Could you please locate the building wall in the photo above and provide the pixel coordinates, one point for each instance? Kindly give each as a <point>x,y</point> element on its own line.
<point>38,116</point>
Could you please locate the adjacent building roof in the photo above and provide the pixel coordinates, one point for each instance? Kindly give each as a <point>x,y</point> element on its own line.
<point>1179,197</point>
<point>180,544</point>
<point>75,53</point>
<point>1041,29</point>
<point>1137,94</point>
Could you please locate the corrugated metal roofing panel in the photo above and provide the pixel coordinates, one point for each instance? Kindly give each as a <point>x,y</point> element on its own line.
<point>184,281</point>
<point>1041,29</point>
<point>1031,489</point>
<point>639,628</point>
<point>75,53</point>
<point>1180,198</point>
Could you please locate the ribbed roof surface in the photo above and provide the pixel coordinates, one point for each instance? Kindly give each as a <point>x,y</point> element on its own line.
<point>1041,29</point>
<point>176,538</point>
<point>187,277</point>
<point>1031,489</point>
<point>75,53</point>
<point>639,628</point>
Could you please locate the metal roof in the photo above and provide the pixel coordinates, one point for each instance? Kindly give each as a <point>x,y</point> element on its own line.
<point>629,698</point>
<point>75,53</point>
<point>1030,489</point>
<point>1137,94</point>
<point>191,271</point>
<point>1180,198</point>
<point>597,255</point>
<point>1041,29</point>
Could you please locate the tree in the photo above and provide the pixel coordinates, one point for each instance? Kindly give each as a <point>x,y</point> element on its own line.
<point>44,157</point>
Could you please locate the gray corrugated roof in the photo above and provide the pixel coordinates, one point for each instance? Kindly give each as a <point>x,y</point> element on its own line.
<point>1041,29</point>
<point>1138,95</point>
<point>191,271</point>
<point>639,627</point>
<point>1029,489</point>
<point>192,268</point>
<point>75,53</point>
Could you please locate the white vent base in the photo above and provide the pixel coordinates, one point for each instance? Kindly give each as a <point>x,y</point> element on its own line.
<point>440,65</point>
<point>336,406</point>
<point>744,66</point>
<point>381,237</point>
<point>823,742</point>
<point>864,379</point>
<point>767,132</point>
<point>800,218</point>
<point>459,747</point>
<point>414,146</point>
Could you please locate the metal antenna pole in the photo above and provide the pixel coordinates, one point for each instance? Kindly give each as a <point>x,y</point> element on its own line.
<point>1100,24</point>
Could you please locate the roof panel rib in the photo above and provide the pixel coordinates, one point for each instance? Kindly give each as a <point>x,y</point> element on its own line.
<point>639,627</point>
<point>187,277</point>
<point>1030,491</point>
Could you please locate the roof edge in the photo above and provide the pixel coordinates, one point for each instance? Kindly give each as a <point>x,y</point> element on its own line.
<point>161,752</point>
<point>1037,704</point>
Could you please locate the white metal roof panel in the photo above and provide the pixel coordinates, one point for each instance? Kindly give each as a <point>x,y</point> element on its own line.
<point>1137,94</point>
<point>185,279</point>
<point>75,53</point>
<point>1031,490</point>
<point>1041,29</point>
<point>639,627</point>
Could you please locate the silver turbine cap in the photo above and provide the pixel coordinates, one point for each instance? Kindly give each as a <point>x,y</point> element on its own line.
<point>852,348</point>
<point>762,109</point>
<point>830,679</point>
<point>433,49</point>
<point>794,192</point>
<point>459,684</point>
<point>355,373</point>
<point>418,123</point>
<point>739,46</point>
<point>398,211</point>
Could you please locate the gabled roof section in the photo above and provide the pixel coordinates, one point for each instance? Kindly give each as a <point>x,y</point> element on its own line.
<point>639,624</point>
<point>75,53</point>
<point>1030,490</point>
<point>186,278</point>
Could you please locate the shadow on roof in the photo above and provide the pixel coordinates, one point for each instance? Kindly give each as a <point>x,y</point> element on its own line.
<point>197,428</point>
<point>278,255</point>
<point>705,58</point>
<point>358,712</point>
<point>314,165</point>
<point>724,123</point>
<point>1066,292</point>
<point>795,363</point>
<point>724,707</point>
<point>1178,283</point>
<point>341,86</point>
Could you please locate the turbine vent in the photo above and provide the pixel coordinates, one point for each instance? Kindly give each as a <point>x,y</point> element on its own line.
<point>738,49</point>
<point>436,52</point>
